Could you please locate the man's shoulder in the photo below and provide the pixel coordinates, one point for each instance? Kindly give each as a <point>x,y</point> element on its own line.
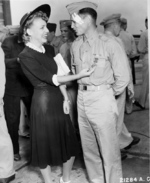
<point>108,39</point>
<point>12,38</point>
<point>103,37</point>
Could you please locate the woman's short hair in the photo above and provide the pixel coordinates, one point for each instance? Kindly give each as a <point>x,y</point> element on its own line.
<point>29,22</point>
<point>90,12</point>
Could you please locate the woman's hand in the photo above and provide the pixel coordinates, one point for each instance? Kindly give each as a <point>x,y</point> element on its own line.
<point>66,106</point>
<point>86,72</point>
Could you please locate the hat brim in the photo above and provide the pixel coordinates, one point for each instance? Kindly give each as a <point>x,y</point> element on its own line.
<point>44,8</point>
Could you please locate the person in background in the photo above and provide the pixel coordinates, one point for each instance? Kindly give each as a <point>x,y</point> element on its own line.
<point>143,50</point>
<point>17,89</point>
<point>97,107</point>
<point>131,51</point>
<point>52,30</point>
<point>68,35</point>
<point>7,172</point>
<point>112,29</point>
<point>52,39</point>
<point>53,139</point>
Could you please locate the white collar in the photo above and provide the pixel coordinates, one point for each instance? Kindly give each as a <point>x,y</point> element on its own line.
<point>31,45</point>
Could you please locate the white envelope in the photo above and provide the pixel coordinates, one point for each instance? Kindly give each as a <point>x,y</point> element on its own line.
<point>63,69</point>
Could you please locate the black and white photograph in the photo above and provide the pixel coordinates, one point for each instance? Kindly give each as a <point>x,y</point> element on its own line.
<point>74,91</point>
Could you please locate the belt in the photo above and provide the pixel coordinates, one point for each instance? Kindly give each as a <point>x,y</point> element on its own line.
<point>92,87</point>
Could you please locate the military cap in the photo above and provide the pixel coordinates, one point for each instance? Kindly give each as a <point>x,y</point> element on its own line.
<point>51,27</point>
<point>65,23</point>
<point>75,7</point>
<point>110,19</point>
<point>123,20</point>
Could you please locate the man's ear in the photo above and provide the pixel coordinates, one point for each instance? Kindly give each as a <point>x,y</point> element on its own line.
<point>88,19</point>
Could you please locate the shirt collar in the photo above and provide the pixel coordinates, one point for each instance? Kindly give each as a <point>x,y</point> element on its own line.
<point>92,38</point>
<point>31,45</point>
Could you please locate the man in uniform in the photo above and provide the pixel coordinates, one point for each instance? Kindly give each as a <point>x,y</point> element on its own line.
<point>97,107</point>
<point>131,51</point>
<point>17,88</point>
<point>7,172</point>
<point>112,27</point>
<point>143,50</point>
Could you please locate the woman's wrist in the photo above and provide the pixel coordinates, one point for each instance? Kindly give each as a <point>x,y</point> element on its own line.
<point>67,100</point>
<point>78,75</point>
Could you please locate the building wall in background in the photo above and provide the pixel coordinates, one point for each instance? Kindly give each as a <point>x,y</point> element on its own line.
<point>134,10</point>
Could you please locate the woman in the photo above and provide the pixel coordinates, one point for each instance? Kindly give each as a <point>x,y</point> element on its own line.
<point>52,136</point>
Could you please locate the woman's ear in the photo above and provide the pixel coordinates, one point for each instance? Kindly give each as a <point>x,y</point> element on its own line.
<point>29,32</point>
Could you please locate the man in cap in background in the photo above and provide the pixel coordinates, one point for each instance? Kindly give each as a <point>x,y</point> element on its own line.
<point>131,51</point>
<point>97,107</point>
<point>112,27</point>
<point>67,32</point>
<point>17,87</point>
<point>69,36</point>
<point>127,39</point>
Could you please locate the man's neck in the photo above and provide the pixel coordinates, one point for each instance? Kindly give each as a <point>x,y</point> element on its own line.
<point>109,32</point>
<point>90,32</point>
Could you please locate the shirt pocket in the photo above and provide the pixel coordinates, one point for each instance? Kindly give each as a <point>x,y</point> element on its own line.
<point>100,68</point>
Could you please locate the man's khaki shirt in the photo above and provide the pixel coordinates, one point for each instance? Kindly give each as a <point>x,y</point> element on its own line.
<point>109,58</point>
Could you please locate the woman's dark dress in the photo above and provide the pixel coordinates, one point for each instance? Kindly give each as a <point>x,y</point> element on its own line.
<point>53,138</point>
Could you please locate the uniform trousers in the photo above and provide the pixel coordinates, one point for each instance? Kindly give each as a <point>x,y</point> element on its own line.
<point>97,115</point>
<point>6,149</point>
<point>12,115</point>
<point>125,138</point>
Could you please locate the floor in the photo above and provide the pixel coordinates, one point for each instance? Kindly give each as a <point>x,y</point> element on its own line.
<point>136,168</point>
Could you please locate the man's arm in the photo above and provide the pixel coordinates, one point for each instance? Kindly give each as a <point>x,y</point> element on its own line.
<point>7,48</point>
<point>119,65</point>
<point>2,74</point>
<point>142,48</point>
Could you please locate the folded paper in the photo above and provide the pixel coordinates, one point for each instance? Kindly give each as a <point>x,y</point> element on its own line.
<point>63,69</point>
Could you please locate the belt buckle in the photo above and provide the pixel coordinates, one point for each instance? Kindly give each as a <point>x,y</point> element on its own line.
<point>84,87</point>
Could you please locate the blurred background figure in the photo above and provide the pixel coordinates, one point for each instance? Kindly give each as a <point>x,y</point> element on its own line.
<point>143,50</point>
<point>51,34</point>
<point>7,172</point>
<point>17,89</point>
<point>69,36</point>
<point>131,51</point>
<point>52,39</point>
<point>112,28</point>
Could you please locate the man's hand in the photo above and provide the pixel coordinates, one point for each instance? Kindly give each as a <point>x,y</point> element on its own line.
<point>130,93</point>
